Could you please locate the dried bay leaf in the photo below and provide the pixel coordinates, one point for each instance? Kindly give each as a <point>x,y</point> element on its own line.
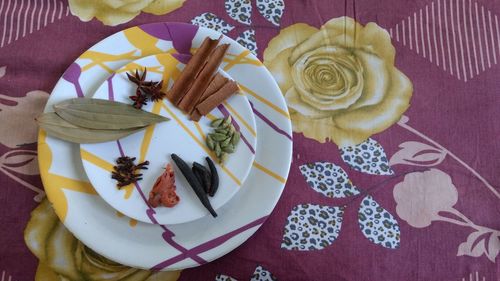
<point>57,127</point>
<point>105,114</point>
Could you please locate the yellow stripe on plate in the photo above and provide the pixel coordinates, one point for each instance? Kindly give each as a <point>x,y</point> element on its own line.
<point>71,184</point>
<point>200,131</point>
<point>269,172</point>
<point>96,160</point>
<point>238,116</point>
<point>211,117</point>
<point>236,60</point>
<point>264,101</point>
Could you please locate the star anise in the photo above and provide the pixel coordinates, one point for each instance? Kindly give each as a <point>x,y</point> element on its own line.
<point>140,80</point>
<point>145,89</point>
<point>155,93</point>
<point>139,99</point>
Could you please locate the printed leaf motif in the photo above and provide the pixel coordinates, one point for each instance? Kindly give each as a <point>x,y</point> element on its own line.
<point>272,10</point>
<point>367,157</point>
<point>377,224</point>
<point>261,274</point>
<point>493,246</point>
<point>247,40</point>
<point>312,227</point>
<point>222,277</point>
<point>239,10</point>
<point>20,110</point>
<point>212,21</point>
<point>328,179</point>
<point>21,161</point>
<point>3,69</point>
<point>417,154</point>
<point>476,245</point>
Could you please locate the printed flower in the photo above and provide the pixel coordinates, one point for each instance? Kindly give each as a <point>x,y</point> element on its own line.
<point>111,12</point>
<point>21,110</point>
<point>339,81</point>
<point>62,257</point>
<point>422,195</point>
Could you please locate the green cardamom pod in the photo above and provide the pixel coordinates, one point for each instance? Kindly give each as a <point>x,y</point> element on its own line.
<point>235,139</point>
<point>217,150</point>
<point>57,127</point>
<point>222,131</point>
<point>216,123</point>
<point>229,148</point>
<point>218,137</point>
<point>223,157</point>
<point>232,128</point>
<point>225,143</point>
<point>104,114</point>
<point>210,142</point>
<point>227,121</point>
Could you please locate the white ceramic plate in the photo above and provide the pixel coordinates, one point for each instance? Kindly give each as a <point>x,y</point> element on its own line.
<point>169,247</point>
<point>156,143</point>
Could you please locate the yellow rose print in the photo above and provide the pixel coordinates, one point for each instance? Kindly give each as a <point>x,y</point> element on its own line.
<point>63,257</point>
<point>339,81</point>
<point>112,12</point>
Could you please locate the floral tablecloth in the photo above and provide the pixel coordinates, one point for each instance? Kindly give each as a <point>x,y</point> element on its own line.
<point>394,106</point>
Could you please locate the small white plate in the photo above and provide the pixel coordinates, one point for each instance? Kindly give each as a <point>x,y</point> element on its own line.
<point>157,142</point>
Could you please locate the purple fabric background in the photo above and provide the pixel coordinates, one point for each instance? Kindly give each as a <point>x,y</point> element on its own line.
<point>461,116</point>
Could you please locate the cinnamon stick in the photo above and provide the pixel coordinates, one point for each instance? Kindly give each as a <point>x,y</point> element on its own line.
<point>182,84</point>
<point>195,115</point>
<point>217,98</point>
<point>215,84</point>
<point>190,99</point>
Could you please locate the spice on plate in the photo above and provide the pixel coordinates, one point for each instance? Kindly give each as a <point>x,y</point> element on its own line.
<point>194,183</point>
<point>57,127</point>
<point>125,171</point>
<point>203,176</point>
<point>188,74</point>
<point>146,90</point>
<point>212,101</point>
<point>224,138</point>
<point>104,114</point>
<point>198,85</point>
<point>214,180</point>
<point>218,80</point>
<point>163,192</point>
<point>84,120</point>
<point>203,78</point>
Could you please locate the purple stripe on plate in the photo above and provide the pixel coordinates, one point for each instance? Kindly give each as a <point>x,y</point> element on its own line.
<point>157,30</point>
<point>225,112</point>
<point>111,93</point>
<point>209,245</point>
<point>181,35</point>
<point>72,74</point>
<point>184,58</point>
<point>167,235</point>
<point>270,123</point>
